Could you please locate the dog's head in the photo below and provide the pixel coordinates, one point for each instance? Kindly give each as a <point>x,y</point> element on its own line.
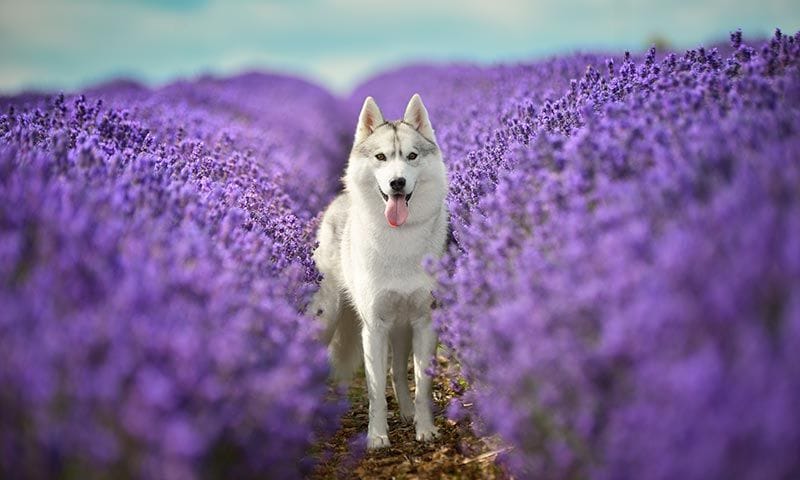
<point>397,165</point>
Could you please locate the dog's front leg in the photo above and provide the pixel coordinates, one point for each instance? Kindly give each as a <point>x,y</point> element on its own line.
<point>374,335</point>
<point>424,345</point>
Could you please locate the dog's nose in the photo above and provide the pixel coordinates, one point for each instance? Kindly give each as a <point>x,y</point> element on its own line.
<point>398,184</point>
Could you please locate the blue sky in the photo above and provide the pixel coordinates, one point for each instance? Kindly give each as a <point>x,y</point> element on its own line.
<point>66,44</point>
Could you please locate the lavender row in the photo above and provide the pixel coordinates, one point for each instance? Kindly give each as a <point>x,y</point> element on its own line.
<point>624,292</point>
<point>154,255</point>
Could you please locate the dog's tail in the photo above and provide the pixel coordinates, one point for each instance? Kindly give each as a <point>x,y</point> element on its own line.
<point>342,330</point>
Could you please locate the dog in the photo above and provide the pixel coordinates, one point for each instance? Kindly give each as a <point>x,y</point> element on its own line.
<point>375,294</point>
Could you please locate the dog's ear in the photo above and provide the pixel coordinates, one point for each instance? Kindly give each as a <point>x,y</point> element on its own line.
<point>369,119</point>
<point>417,116</point>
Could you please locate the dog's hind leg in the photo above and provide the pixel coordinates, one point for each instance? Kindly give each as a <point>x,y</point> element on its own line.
<point>345,346</point>
<point>401,347</point>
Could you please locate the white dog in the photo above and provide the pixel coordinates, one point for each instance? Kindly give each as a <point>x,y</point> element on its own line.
<point>372,240</point>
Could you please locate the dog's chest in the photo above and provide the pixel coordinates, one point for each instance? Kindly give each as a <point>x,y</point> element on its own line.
<point>390,260</point>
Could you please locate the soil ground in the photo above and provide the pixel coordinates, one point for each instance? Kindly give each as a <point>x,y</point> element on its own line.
<point>456,454</point>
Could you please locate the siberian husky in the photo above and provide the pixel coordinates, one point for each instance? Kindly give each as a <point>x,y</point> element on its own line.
<point>373,237</point>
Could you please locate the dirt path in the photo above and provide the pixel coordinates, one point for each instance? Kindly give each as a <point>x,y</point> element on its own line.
<point>457,453</point>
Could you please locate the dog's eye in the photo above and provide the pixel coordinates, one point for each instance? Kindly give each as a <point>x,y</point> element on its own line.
<point>380,157</point>
<point>412,156</point>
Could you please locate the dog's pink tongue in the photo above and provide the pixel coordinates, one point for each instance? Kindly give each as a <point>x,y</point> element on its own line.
<point>396,210</point>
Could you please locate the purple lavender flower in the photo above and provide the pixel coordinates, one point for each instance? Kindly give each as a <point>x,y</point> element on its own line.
<point>623,292</point>
<point>155,256</point>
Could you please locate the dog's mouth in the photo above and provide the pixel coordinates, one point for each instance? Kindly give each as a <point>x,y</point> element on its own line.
<point>396,212</point>
<point>386,197</point>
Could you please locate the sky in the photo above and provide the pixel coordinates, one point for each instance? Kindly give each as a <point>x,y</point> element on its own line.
<point>68,44</point>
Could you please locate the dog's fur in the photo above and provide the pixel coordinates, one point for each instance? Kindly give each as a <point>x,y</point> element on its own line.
<point>374,292</point>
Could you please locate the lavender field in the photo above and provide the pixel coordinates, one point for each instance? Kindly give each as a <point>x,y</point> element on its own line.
<point>621,295</point>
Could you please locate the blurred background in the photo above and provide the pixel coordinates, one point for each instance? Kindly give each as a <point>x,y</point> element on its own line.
<point>67,44</point>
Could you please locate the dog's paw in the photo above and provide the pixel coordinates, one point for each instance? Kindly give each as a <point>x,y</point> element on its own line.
<point>407,415</point>
<point>426,434</point>
<point>375,442</point>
